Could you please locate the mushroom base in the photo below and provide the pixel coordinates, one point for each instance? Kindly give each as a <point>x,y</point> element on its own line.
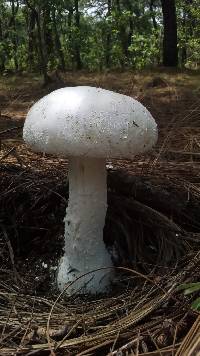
<point>85,250</point>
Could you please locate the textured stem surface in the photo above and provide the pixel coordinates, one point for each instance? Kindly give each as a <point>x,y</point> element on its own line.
<point>84,223</point>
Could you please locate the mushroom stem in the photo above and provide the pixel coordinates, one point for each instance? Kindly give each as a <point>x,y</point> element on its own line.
<point>84,222</point>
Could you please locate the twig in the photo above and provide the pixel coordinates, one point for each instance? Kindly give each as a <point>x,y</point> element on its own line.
<point>6,323</point>
<point>157,348</point>
<point>26,330</point>
<point>174,340</point>
<point>12,258</point>
<point>125,347</point>
<point>11,129</point>
<point>93,348</point>
<point>138,344</point>
<point>7,153</point>
<point>190,343</point>
<point>115,341</point>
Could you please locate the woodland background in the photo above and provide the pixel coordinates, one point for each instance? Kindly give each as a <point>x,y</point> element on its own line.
<point>44,35</point>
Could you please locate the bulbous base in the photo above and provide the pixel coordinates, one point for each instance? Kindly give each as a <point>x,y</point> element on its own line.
<point>92,283</point>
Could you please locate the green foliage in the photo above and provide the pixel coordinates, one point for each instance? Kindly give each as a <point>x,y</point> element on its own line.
<point>188,17</point>
<point>196,304</point>
<point>93,54</point>
<point>144,50</point>
<point>190,288</point>
<point>128,34</point>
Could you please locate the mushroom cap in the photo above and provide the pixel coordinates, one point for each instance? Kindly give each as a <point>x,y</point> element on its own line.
<point>88,121</point>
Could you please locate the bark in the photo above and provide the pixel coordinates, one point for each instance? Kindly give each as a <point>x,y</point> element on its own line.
<point>47,31</point>
<point>14,10</point>
<point>70,16</point>
<point>122,32</point>
<point>77,42</point>
<point>58,43</point>
<point>184,49</point>
<point>69,24</point>
<point>131,24</point>
<point>43,59</point>
<point>108,38</point>
<point>2,59</point>
<point>170,48</point>
<point>126,33</point>
<point>31,38</point>
<point>151,7</point>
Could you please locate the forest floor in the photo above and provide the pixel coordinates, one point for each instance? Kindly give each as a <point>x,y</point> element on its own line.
<point>156,234</point>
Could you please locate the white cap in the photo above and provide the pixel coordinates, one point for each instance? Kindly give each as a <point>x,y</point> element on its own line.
<point>88,121</point>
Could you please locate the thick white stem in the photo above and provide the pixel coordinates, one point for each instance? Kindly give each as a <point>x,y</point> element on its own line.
<point>84,223</point>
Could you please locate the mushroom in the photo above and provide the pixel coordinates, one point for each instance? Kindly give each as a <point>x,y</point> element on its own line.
<point>88,125</point>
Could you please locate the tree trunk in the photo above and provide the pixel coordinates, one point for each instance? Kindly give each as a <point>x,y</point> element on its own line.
<point>170,49</point>
<point>77,42</point>
<point>131,24</point>
<point>41,44</point>
<point>2,58</point>
<point>31,40</point>
<point>184,46</point>
<point>47,35</point>
<point>14,10</point>
<point>151,8</point>
<point>108,38</point>
<point>58,43</point>
<point>69,24</point>
<point>122,33</point>
<point>43,59</point>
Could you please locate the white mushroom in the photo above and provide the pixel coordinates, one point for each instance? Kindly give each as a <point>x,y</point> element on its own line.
<point>88,125</point>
